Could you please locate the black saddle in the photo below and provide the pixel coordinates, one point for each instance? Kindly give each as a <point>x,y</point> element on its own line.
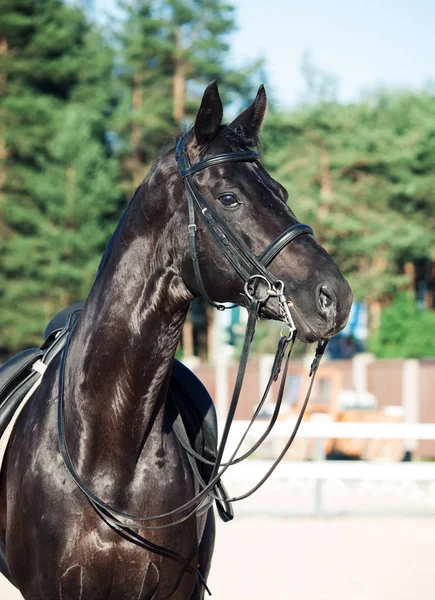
<point>194,420</point>
<point>16,379</point>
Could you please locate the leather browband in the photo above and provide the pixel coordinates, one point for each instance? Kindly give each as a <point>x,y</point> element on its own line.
<point>218,159</point>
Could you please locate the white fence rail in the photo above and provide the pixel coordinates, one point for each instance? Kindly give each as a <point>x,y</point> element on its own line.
<point>325,429</point>
<point>405,482</point>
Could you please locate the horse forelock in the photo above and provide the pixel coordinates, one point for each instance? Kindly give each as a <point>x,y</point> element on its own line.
<point>239,138</point>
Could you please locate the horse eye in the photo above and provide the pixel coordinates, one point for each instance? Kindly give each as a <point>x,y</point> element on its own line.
<point>228,200</point>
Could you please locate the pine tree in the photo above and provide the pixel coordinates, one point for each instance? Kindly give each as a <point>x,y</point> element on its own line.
<point>59,187</point>
<point>363,176</point>
<point>170,49</point>
<point>404,331</point>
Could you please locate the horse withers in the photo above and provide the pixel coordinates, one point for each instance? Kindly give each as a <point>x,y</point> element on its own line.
<point>115,371</point>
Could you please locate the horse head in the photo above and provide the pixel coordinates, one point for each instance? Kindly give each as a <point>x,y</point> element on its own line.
<point>241,196</point>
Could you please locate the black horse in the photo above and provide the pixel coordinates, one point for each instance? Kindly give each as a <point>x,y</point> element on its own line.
<point>117,373</point>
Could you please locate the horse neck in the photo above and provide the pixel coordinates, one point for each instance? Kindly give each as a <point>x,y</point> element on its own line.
<point>122,350</point>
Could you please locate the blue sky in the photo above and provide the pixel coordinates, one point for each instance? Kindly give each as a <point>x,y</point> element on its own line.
<point>365,44</point>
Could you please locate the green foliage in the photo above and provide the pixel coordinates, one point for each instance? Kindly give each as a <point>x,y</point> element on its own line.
<point>60,196</point>
<point>364,176</point>
<point>65,90</point>
<point>168,52</point>
<point>405,331</point>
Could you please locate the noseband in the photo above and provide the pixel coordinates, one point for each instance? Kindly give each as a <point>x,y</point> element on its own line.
<point>250,268</point>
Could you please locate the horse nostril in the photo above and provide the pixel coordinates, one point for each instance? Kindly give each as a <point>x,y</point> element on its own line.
<point>326,298</point>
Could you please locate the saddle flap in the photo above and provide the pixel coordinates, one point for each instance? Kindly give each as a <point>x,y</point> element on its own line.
<point>16,369</point>
<point>195,424</point>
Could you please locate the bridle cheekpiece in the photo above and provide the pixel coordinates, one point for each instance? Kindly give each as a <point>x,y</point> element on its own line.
<point>250,268</point>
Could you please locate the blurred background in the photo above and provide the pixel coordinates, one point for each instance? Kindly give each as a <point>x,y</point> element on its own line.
<point>90,91</point>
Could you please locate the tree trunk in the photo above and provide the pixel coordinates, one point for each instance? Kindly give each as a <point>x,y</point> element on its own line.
<point>187,339</point>
<point>3,149</point>
<point>69,194</point>
<point>409,269</point>
<point>325,183</point>
<point>375,306</point>
<point>69,201</point>
<point>375,310</point>
<point>179,81</point>
<point>137,165</point>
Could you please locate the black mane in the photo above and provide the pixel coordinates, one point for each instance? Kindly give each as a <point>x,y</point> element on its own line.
<point>238,138</point>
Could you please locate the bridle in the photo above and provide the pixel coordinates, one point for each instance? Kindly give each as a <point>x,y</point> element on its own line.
<point>251,269</point>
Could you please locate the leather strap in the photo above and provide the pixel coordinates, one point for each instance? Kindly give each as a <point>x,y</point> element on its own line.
<point>111,513</point>
<point>232,247</point>
<point>219,159</point>
<point>276,368</point>
<point>247,266</point>
<point>285,238</point>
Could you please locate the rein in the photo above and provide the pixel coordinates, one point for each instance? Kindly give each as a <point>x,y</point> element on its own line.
<point>252,270</point>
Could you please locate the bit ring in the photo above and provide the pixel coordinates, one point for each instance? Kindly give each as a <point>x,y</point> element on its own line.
<point>269,288</point>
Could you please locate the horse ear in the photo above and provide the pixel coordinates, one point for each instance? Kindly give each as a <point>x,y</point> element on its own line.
<point>210,114</point>
<point>251,119</point>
